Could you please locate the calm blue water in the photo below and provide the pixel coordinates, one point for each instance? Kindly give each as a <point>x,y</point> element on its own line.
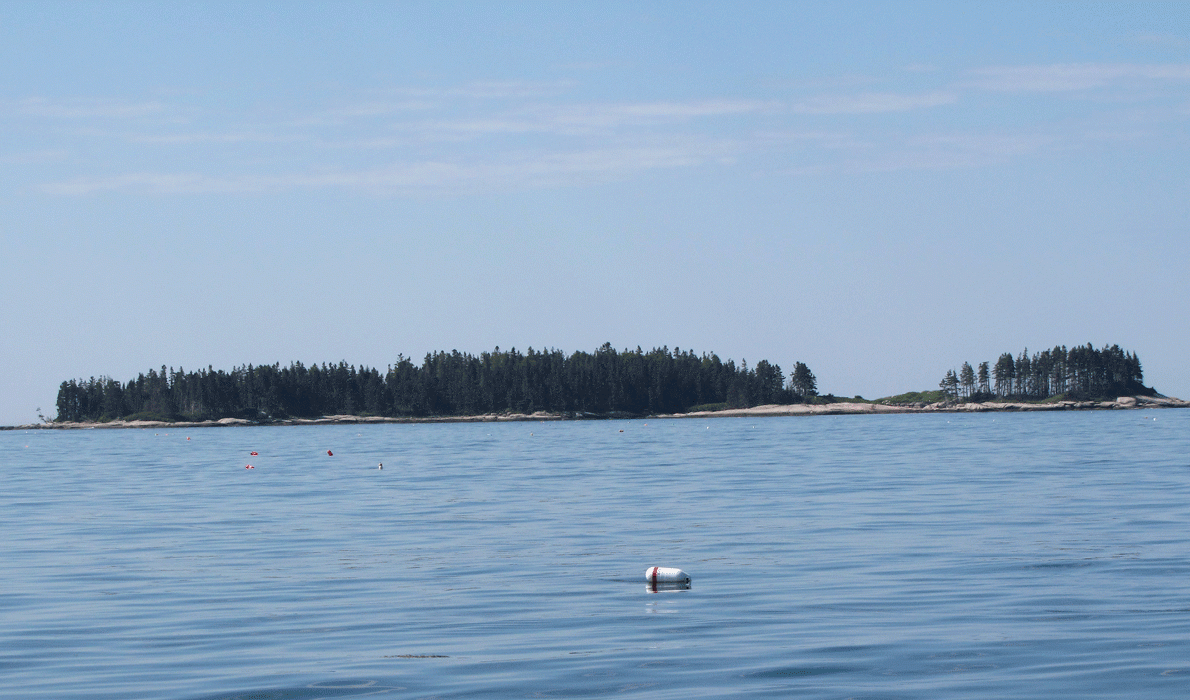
<point>920,556</point>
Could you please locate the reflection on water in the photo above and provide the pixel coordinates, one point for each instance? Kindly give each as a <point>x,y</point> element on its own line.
<point>664,587</point>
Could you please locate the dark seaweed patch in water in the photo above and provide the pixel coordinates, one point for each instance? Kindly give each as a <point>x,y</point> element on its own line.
<point>1078,564</point>
<point>799,672</point>
<point>314,691</point>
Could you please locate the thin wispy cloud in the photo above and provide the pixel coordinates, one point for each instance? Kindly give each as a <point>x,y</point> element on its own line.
<point>233,137</point>
<point>872,103</point>
<point>825,140</point>
<point>587,119</point>
<point>947,152</point>
<point>1159,39</point>
<point>34,157</point>
<point>498,136</point>
<point>87,109</point>
<point>146,182</point>
<point>492,90</point>
<point>512,171</point>
<point>372,110</point>
<point>1070,77</point>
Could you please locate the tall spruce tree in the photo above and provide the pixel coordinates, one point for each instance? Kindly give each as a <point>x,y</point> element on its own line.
<point>967,379</point>
<point>803,382</point>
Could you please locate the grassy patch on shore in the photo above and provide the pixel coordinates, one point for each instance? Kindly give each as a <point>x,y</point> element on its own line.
<point>915,397</point>
<point>831,398</point>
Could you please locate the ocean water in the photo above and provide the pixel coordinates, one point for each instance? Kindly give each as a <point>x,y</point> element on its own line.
<point>912,556</point>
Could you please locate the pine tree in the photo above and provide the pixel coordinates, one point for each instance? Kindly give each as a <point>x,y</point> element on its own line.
<point>950,384</point>
<point>967,379</point>
<point>1005,374</point>
<point>803,382</point>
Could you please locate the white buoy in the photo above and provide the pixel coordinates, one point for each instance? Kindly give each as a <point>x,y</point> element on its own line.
<point>664,574</point>
<point>381,466</point>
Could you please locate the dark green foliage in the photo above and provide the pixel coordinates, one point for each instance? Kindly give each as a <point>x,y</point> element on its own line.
<point>950,384</point>
<point>446,384</point>
<point>1082,372</point>
<point>1005,374</point>
<point>803,382</point>
<point>967,379</point>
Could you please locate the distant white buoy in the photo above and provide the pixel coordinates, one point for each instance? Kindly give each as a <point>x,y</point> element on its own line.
<point>665,574</point>
<point>381,466</point>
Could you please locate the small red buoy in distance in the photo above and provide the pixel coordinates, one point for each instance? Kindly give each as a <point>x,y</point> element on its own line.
<point>249,467</point>
<point>253,454</point>
<point>330,454</point>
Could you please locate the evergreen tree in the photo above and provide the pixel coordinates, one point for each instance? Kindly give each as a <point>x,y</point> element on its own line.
<point>950,384</point>
<point>1005,374</point>
<point>1024,374</point>
<point>769,382</point>
<point>803,382</point>
<point>967,379</point>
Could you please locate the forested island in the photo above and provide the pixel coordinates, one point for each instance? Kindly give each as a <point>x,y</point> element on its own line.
<point>606,382</point>
<point>1080,373</point>
<point>508,384</point>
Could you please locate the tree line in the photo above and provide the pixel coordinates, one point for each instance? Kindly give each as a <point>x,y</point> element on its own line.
<point>604,382</point>
<point>1082,372</point>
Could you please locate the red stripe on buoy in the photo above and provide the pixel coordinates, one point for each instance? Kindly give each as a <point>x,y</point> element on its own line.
<point>655,575</point>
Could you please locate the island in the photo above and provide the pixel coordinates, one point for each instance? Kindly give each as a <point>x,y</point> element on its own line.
<point>607,383</point>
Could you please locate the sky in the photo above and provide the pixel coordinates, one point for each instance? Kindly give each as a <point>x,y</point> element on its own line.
<point>880,190</point>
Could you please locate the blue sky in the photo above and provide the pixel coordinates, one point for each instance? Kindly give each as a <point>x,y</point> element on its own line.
<point>880,190</point>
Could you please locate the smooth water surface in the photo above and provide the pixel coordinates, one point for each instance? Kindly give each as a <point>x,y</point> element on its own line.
<point>911,556</point>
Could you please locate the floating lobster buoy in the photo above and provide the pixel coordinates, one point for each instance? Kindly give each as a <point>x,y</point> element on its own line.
<point>249,467</point>
<point>666,577</point>
<point>330,454</point>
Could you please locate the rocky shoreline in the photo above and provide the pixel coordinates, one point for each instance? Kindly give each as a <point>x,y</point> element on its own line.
<point>324,420</point>
<point>849,408</point>
<point>842,408</point>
